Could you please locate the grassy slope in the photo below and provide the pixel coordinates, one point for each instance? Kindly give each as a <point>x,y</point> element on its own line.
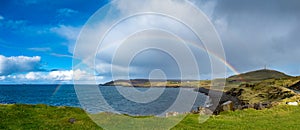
<point>259,75</point>
<point>45,117</point>
<point>266,90</point>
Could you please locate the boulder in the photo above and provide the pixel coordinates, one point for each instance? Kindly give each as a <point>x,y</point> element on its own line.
<point>204,111</point>
<point>258,106</point>
<point>227,106</point>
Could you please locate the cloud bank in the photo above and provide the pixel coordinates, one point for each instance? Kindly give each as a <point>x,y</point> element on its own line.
<point>258,33</point>
<point>24,69</point>
<point>144,62</point>
<point>58,76</point>
<point>19,64</point>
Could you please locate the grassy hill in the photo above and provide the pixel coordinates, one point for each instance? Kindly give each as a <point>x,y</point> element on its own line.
<point>264,91</point>
<point>261,86</point>
<point>259,75</point>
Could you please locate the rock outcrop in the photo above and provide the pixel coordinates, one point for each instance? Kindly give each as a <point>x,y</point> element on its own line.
<point>218,98</point>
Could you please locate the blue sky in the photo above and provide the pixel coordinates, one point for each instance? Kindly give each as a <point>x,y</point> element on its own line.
<point>28,28</point>
<point>34,28</point>
<point>37,38</point>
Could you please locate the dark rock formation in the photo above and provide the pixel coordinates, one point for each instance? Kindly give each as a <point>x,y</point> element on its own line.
<point>296,86</point>
<point>227,106</point>
<point>218,98</point>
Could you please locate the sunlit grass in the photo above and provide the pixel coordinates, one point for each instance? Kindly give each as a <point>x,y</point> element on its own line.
<point>280,117</point>
<point>47,117</point>
<point>43,117</point>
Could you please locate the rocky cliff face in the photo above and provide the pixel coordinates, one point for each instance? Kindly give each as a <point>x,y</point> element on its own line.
<point>218,98</point>
<point>295,86</point>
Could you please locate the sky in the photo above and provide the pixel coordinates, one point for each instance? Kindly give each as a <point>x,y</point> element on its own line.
<point>38,39</point>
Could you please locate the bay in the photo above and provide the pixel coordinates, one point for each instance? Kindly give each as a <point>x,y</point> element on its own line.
<point>65,95</point>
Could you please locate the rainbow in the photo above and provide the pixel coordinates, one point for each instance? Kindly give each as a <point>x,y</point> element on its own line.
<point>196,45</point>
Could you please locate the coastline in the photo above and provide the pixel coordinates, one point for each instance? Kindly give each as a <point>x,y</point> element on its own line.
<point>235,94</point>
<point>217,97</point>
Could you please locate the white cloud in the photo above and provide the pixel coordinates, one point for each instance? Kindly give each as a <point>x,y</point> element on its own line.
<point>2,77</point>
<point>63,76</point>
<point>31,76</point>
<point>10,65</point>
<point>69,32</point>
<point>61,55</point>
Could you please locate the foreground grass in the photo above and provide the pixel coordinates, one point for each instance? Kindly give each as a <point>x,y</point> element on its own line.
<point>43,117</point>
<point>46,117</point>
<point>280,117</point>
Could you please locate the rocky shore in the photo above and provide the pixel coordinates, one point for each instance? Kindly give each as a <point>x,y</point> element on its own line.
<point>229,101</point>
<point>218,98</point>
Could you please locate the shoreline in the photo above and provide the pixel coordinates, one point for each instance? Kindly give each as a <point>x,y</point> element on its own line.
<point>217,97</point>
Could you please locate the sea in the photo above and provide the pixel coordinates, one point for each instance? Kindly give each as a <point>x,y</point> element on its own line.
<point>114,101</point>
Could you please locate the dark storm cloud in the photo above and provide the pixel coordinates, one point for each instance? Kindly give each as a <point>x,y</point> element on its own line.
<point>259,32</point>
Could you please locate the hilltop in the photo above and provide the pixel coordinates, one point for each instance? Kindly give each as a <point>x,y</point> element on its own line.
<point>259,75</point>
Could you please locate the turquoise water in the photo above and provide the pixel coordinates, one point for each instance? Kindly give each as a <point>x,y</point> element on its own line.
<point>65,95</point>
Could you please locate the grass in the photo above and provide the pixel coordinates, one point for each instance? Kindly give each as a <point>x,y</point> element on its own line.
<point>264,91</point>
<point>14,117</point>
<point>259,75</point>
<point>114,121</point>
<point>281,117</point>
<point>47,117</point>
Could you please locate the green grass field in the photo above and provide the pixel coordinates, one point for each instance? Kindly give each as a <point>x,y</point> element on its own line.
<point>43,117</point>
<point>47,117</point>
<point>280,118</point>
